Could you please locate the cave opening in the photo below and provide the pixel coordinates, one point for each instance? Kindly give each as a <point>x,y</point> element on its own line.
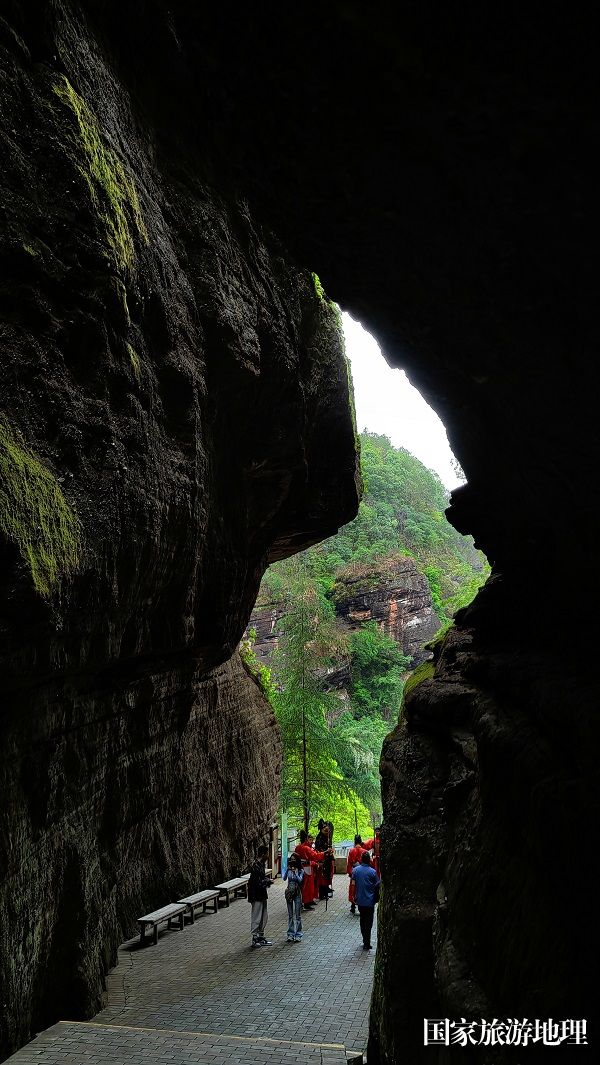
<point>340,630</point>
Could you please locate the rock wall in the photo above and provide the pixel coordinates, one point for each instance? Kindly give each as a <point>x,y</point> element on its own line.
<point>120,797</point>
<point>168,375</point>
<point>396,596</point>
<point>392,593</point>
<point>487,866</point>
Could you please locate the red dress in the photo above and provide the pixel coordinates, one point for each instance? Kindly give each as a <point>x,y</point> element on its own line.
<point>354,856</point>
<point>373,845</point>
<point>308,884</point>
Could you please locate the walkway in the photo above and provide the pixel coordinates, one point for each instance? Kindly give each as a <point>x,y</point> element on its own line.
<point>202,995</point>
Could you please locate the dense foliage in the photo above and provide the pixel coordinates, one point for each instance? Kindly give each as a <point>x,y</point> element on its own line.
<point>326,766</point>
<point>402,513</point>
<point>376,669</point>
<point>332,740</point>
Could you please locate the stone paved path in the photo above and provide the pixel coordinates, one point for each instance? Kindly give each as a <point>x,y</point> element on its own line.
<point>202,995</point>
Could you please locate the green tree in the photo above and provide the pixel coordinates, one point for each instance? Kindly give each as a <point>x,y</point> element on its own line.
<point>402,512</point>
<point>376,668</point>
<point>361,743</point>
<point>308,644</point>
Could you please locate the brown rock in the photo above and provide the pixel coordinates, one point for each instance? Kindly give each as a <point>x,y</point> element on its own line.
<point>395,595</point>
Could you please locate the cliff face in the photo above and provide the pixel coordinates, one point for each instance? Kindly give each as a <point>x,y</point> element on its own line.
<point>396,596</point>
<point>168,374</point>
<point>117,799</point>
<point>392,593</point>
<point>487,860</point>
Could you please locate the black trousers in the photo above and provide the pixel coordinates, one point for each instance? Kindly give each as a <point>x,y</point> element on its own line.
<point>366,923</point>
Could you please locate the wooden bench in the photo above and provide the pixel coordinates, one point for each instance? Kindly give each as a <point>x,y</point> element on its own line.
<point>166,913</point>
<point>201,898</point>
<point>238,887</point>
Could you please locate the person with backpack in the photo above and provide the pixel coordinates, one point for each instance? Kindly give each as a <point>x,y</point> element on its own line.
<point>294,875</point>
<point>258,884</point>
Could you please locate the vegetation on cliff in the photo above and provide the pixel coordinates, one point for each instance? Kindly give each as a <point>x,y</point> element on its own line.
<point>35,515</point>
<point>401,513</point>
<point>332,738</point>
<point>341,733</point>
<point>112,190</point>
<point>328,768</point>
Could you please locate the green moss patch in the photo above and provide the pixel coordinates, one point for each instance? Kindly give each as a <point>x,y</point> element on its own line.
<point>111,189</point>
<point>423,672</point>
<point>35,515</point>
<point>319,290</point>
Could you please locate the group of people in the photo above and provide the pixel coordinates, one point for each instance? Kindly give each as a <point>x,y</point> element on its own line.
<point>309,876</point>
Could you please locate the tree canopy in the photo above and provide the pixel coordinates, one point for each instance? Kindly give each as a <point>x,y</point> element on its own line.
<point>332,740</point>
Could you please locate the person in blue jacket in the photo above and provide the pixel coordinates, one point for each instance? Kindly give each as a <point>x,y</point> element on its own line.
<point>367,895</point>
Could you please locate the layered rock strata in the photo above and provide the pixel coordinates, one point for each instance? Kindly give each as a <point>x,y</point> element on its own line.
<point>119,797</point>
<point>168,376</point>
<point>394,595</point>
<point>391,593</point>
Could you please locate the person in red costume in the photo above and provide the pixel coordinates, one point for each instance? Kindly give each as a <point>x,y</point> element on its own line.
<point>354,856</point>
<point>310,860</point>
<point>373,845</point>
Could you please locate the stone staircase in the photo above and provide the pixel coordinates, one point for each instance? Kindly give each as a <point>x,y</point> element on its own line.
<point>88,1043</point>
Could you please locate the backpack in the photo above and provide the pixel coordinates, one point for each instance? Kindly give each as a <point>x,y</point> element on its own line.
<point>292,891</point>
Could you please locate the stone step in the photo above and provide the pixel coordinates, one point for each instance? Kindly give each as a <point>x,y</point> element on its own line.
<point>86,1043</point>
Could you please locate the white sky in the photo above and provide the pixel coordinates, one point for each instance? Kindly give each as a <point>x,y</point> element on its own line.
<point>387,403</point>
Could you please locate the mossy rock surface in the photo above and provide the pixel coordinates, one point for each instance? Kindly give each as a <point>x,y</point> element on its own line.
<point>423,672</point>
<point>35,515</point>
<point>112,190</point>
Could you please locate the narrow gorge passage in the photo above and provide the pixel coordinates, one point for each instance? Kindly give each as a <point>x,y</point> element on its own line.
<point>203,996</point>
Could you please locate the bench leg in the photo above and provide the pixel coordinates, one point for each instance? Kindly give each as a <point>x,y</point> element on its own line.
<point>216,902</point>
<point>155,934</point>
<point>227,898</point>
<point>192,914</point>
<point>181,917</point>
<point>142,935</point>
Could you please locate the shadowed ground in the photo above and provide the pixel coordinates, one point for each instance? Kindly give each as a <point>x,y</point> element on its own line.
<point>203,995</point>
